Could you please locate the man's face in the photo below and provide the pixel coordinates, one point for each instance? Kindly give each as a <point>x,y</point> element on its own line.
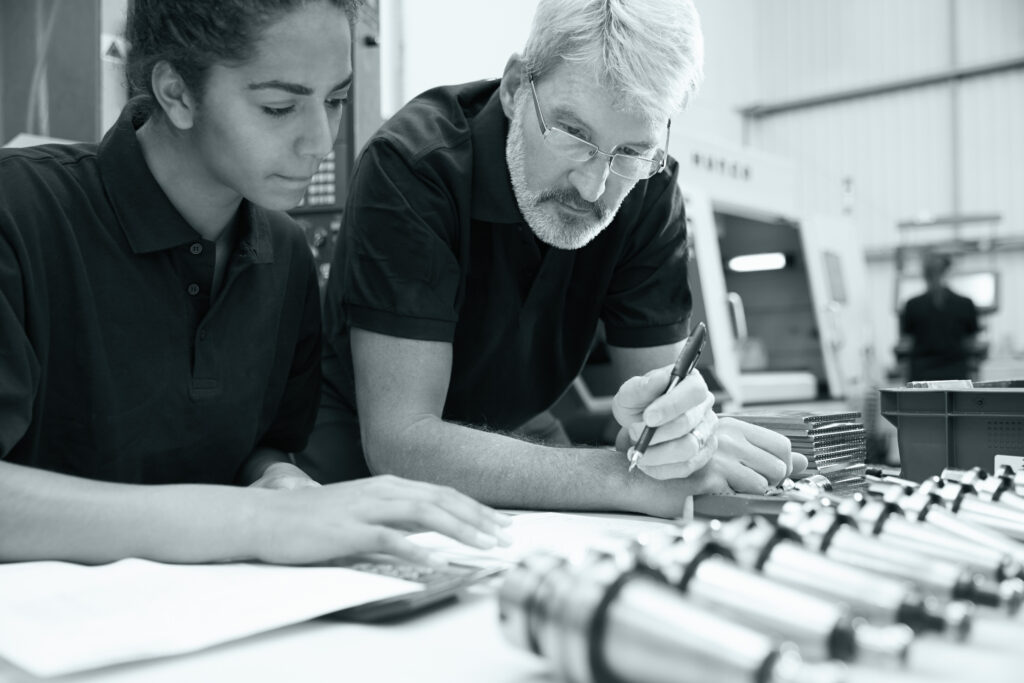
<point>935,272</point>
<point>263,127</point>
<point>568,203</point>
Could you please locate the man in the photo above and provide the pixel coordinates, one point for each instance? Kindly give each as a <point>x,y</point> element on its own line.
<point>490,227</point>
<point>938,328</point>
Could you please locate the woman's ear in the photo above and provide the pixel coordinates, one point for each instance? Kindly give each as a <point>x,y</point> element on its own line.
<point>173,95</point>
<point>511,80</point>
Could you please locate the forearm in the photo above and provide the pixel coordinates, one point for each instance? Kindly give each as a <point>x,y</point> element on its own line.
<point>506,472</point>
<point>401,389</point>
<point>44,515</point>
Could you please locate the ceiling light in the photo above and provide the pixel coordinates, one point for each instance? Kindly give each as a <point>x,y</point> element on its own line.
<point>752,263</point>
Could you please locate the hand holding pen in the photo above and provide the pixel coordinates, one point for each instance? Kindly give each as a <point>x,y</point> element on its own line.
<point>683,366</point>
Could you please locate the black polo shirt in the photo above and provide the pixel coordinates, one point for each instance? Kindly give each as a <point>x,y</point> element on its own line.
<point>940,334</point>
<point>115,363</point>
<point>434,247</point>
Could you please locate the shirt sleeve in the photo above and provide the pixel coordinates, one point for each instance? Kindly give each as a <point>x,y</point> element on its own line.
<point>19,363</point>
<point>401,276</point>
<point>300,400</point>
<point>648,301</point>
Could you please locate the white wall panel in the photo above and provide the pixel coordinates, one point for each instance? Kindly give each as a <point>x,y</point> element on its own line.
<point>454,41</point>
<point>808,47</point>
<point>989,30</point>
<point>992,148</point>
<point>730,77</point>
<point>894,148</point>
<point>992,181</point>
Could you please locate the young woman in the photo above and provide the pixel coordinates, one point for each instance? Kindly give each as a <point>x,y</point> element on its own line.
<point>159,316</point>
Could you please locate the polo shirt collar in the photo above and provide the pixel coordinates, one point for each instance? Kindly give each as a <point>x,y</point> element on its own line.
<point>255,243</point>
<point>148,218</point>
<point>494,200</point>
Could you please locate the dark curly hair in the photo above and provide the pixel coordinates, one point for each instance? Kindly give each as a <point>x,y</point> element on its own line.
<point>193,35</point>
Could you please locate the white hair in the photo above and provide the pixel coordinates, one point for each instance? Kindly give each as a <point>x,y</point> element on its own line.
<point>649,52</point>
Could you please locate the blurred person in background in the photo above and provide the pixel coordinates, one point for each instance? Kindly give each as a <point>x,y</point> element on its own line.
<point>939,329</point>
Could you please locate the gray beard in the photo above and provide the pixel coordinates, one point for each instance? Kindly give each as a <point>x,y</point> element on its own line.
<point>538,208</point>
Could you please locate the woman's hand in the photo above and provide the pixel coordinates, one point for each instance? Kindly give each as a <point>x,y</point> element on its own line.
<point>371,515</point>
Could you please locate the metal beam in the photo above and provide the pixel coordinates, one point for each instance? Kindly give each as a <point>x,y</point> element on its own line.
<point>997,245</point>
<point>952,219</point>
<point>759,111</point>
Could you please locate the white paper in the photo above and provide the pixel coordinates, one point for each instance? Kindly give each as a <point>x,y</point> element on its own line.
<point>57,617</point>
<point>569,535</point>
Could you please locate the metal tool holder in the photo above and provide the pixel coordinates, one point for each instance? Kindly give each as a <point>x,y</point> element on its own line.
<point>695,563</point>
<point>834,579</point>
<point>778,554</point>
<point>924,504</point>
<point>597,622</point>
<point>821,528</point>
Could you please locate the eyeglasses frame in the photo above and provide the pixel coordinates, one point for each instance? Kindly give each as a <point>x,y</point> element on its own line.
<point>545,129</point>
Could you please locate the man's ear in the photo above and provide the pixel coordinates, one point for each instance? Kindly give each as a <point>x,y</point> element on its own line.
<point>512,79</point>
<point>173,96</point>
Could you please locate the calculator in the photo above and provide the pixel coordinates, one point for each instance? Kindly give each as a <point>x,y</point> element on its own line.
<point>440,585</point>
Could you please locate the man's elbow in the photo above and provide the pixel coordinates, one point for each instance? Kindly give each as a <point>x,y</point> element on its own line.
<point>378,453</point>
<point>395,447</point>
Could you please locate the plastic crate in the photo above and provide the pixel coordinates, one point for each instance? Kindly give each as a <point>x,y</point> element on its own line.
<point>961,428</point>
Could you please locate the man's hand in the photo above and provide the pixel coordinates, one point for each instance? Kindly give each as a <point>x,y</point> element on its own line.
<point>371,515</point>
<point>686,426</point>
<point>754,459</point>
<point>284,476</point>
<point>718,456</point>
<point>725,473</point>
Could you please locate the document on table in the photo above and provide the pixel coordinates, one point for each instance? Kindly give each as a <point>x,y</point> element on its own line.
<point>58,618</point>
<point>569,535</point>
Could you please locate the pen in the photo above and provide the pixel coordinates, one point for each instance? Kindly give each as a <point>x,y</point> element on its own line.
<point>684,364</point>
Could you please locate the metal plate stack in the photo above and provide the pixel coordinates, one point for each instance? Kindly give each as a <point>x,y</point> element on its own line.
<point>834,443</point>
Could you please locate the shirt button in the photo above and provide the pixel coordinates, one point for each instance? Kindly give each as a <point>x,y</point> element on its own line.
<point>193,289</point>
<point>196,248</point>
<point>202,335</point>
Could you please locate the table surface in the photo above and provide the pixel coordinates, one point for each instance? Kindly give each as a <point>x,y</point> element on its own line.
<point>463,642</point>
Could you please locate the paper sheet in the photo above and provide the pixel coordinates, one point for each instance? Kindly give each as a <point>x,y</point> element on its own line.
<point>569,535</point>
<point>57,617</point>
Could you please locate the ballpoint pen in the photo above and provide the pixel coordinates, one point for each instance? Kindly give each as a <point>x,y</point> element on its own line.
<point>684,364</point>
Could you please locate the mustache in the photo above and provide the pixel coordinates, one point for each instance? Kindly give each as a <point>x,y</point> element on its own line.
<point>572,198</point>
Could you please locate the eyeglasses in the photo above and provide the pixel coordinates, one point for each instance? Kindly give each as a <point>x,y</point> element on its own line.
<point>628,166</point>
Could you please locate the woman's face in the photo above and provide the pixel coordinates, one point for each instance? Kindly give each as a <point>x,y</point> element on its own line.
<point>263,126</point>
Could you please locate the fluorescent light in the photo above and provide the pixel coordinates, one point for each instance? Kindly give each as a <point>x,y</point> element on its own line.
<point>751,263</point>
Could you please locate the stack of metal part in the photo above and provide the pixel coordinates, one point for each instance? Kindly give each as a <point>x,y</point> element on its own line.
<point>835,444</point>
<point>834,581</point>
